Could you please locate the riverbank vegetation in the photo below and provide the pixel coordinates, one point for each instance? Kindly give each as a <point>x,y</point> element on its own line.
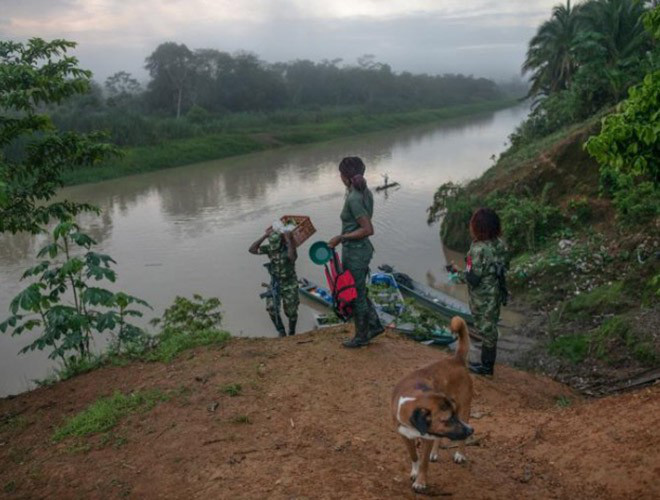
<point>578,191</point>
<point>253,132</point>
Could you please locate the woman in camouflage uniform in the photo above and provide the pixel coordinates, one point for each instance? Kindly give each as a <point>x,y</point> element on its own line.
<point>486,265</point>
<point>281,251</point>
<point>357,250</point>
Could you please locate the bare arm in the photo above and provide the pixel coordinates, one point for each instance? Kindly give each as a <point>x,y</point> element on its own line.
<point>254,248</point>
<point>365,230</point>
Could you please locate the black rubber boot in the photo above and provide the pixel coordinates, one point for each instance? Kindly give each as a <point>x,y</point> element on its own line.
<point>375,327</point>
<point>361,339</point>
<point>279,325</point>
<point>292,326</point>
<point>487,365</point>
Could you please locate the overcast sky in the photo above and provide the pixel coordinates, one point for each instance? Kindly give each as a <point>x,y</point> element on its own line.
<point>479,37</point>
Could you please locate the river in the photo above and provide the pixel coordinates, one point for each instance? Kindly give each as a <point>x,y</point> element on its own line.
<point>187,230</point>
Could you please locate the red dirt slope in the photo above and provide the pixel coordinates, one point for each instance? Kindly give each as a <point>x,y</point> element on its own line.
<point>319,428</point>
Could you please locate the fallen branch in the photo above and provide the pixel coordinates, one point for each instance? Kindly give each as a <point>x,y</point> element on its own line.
<point>647,377</point>
<point>213,441</point>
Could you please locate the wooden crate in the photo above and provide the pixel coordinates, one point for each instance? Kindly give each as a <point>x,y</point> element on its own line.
<point>304,227</point>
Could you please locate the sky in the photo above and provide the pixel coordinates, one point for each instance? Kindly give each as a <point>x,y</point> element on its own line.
<point>479,37</point>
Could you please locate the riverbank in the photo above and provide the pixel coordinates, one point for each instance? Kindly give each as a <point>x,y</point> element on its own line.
<point>253,139</point>
<point>302,417</point>
<point>586,281</point>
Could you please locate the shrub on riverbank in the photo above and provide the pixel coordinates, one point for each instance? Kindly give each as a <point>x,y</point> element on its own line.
<point>253,133</point>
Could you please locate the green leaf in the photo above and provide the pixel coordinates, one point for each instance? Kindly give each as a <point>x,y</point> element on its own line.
<point>106,321</point>
<point>71,266</point>
<point>28,300</point>
<point>81,239</point>
<point>98,296</point>
<point>38,269</point>
<point>51,249</point>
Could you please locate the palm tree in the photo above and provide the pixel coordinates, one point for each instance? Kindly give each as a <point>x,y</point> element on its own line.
<point>618,28</point>
<point>550,57</point>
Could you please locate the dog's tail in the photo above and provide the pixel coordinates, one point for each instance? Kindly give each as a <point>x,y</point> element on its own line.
<point>459,327</point>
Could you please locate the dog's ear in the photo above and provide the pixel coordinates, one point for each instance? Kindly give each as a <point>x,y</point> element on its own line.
<point>421,420</point>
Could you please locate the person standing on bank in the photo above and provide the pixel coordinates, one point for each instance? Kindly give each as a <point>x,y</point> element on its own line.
<point>485,274</point>
<point>357,249</point>
<point>282,255</point>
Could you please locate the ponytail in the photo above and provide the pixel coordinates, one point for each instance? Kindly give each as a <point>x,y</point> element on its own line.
<point>352,167</point>
<point>359,182</point>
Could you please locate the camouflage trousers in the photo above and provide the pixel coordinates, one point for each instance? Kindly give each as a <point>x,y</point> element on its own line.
<point>485,309</point>
<point>287,297</point>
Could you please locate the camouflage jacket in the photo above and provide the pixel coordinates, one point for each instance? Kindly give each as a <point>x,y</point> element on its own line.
<point>482,263</point>
<point>281,267</point>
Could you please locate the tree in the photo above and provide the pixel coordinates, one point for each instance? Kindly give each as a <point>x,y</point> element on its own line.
<point>121,88</point>
<point>628,146</point>
<point>550,57</point>
<point>617,27</point>
<point>171,68</point>
<point>33,75</point>
<point>210,68</point>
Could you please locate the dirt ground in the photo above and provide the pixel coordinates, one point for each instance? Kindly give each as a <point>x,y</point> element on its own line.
<point>312,421</point>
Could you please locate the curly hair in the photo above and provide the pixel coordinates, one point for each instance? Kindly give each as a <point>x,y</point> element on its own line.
<point>485,224</point>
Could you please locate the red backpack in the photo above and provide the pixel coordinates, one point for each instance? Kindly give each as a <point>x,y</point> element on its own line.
<point>342,287</point>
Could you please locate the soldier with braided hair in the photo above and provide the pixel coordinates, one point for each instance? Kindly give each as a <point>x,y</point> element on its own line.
<point>357,249</point>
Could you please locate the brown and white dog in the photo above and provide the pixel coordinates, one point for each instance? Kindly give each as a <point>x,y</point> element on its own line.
<point>433,403</point>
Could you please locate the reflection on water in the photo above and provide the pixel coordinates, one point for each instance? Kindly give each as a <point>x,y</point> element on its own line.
<point>186,230</point>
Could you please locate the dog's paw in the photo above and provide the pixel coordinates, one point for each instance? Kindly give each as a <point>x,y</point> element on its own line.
<point>414,471</point>
<point>459,458</point>
<point>419,486</point>
<point>433,457</point>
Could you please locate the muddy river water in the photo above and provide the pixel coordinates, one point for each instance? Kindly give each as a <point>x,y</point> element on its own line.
<point>187,230</point>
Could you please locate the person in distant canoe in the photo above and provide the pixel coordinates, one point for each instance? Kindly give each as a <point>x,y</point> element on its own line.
<point>357,249</point>
<point>281,251</point>
<point>485,274</point>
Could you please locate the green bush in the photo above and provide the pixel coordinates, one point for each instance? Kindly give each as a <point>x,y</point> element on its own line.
<point>527,223</point>
<point>171,342</point>
<point>191,315</point>
<point>454,207</point>
<point>617,338</point>
<point>628,152</point>
<point>198,115</point>
<point>603,299</point>
<point>572,347</point>
<point>579,210</point>
<point>638,204</point>
<point>187,324</point>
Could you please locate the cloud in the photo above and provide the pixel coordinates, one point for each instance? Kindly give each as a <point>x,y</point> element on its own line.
<point>435,36</point>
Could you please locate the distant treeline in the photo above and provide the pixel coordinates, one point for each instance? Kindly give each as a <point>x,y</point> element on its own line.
<point>207,86</point>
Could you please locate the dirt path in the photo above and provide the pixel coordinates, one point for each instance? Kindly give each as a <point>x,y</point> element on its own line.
<point>319,428</point>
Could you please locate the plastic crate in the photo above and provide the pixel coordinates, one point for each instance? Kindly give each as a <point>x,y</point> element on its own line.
<point>304,228</point>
